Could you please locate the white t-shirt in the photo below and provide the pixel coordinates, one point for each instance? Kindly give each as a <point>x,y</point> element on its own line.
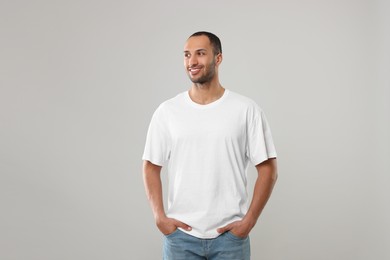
<point>206,149</point>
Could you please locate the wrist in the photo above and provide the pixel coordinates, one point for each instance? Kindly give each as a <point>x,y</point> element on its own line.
<point>249,221</point>
<point>158,216</point>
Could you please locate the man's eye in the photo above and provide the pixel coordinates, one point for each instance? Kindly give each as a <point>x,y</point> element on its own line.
<point>186,55</point>
<point>201,53</point>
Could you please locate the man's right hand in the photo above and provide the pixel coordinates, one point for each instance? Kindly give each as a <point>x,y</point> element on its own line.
<point>169,225</point>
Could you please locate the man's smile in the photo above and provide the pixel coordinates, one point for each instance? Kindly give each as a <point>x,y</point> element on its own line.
<point>194,71</point>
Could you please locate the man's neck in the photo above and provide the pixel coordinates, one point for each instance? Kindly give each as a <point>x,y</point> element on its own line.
<point>206,93</point>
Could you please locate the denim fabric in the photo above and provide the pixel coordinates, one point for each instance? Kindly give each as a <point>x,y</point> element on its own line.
<point>181,246</point>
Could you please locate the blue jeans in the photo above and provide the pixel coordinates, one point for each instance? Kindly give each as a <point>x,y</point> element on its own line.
<point>181,246</point>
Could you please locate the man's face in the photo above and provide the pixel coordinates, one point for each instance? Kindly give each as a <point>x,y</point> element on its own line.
<point>199,59</point>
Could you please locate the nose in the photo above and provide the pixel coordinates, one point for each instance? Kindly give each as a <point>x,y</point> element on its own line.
<point>193,61</point>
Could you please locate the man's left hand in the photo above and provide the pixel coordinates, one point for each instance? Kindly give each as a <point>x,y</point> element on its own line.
<point>239,228</point>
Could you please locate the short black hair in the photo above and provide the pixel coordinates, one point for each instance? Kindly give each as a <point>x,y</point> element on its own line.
<point>214,40</point>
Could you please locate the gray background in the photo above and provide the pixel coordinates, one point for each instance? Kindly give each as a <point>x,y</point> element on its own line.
<point>79,81</point>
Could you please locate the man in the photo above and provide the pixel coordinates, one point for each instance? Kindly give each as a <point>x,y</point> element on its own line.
<point>206,137</point>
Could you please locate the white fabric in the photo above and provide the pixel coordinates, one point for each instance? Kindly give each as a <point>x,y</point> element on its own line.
<point>207,149</point>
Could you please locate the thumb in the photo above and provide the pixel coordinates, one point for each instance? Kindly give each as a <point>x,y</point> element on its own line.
<point>182,225</point>
<point>224,229</point>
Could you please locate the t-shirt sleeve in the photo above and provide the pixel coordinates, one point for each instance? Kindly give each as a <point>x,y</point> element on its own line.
<point>260,145</point>
<point>157,146</point>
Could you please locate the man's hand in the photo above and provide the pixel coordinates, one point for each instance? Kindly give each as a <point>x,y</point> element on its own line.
<point>239,228</point>
<point>169,225</point>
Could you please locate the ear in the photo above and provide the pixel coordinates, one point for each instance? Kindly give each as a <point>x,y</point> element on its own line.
<point>218,58</point>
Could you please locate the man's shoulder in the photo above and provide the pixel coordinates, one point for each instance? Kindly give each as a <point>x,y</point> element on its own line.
<point>173,102</point>
<point>242,100</point>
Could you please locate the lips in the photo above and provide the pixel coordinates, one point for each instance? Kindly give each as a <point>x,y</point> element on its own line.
<point>194,71</point>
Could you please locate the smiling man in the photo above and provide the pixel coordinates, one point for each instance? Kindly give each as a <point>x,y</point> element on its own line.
<point>206,137</point>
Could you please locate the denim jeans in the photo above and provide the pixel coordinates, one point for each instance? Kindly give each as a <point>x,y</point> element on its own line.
<point>181,246</point>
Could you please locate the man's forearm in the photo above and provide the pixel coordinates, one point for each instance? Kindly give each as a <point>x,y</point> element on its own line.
<point>265,182</point>
<point>267,176</point>
<point>153,188</point>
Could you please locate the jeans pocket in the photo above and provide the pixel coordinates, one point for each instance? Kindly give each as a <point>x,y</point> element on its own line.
<point>172,234</point>
<point>235,238</point>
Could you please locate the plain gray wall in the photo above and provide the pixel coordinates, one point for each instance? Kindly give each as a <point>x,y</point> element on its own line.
<point>79,81</point>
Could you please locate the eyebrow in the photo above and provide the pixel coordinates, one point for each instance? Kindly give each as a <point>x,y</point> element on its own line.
<point>196,50</point>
